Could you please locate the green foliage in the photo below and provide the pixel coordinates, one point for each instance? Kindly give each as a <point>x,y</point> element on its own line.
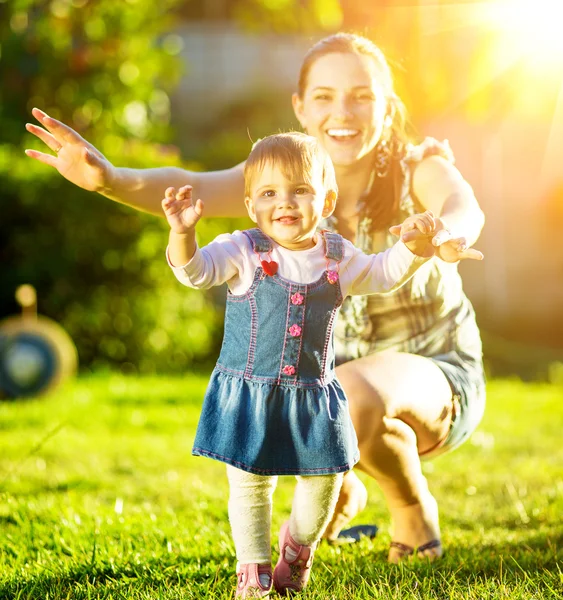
<point>282,16</point>
<point>96,64</point>
<point>288,15</point>
<point>100,498</point>
<point>106,67</point>
<point>100,271</point>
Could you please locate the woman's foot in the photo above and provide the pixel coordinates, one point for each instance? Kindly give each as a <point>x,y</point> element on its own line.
<point>294,564</point>
<point>416,531</point>
<point>253,581</point>
<point>352,500</point>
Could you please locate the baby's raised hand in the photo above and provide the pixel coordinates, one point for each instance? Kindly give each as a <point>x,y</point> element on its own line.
<point>417,232</point>
<point>181,214</point>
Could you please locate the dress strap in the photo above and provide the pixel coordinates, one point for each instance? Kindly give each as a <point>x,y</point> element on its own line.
<point>334,247</point>
<point>259,240</point>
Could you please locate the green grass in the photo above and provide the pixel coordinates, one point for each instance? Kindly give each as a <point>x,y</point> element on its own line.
<point>100,498</point>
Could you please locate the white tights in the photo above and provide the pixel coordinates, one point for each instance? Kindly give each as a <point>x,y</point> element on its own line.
<point>250,511</point>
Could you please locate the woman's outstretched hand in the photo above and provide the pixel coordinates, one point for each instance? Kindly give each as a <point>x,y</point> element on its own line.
<point>427,235</point>
<point>75,158</point>
<point>180,211</point>
<point>451,249</point>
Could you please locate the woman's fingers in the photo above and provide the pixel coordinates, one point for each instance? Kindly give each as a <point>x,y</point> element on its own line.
<point>48,138</point>
<point>456,249</point>
<point>48,122</point>
<point>48,159</point>
<point>39,114</point>
<point>460,244</point>
<point>62,132</point>
<point>444,235</point>
<point>472,253</point>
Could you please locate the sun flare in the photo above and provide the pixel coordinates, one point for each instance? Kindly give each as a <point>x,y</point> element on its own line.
<point>532,28</point>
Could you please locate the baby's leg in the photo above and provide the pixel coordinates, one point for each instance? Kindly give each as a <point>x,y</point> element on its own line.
<point>250,515</point>
<point>313,504</point>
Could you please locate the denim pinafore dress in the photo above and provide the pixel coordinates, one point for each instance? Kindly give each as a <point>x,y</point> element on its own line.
<point>273,405</point>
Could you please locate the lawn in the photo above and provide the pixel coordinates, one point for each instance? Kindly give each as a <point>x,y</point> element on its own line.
<point>100,498</point>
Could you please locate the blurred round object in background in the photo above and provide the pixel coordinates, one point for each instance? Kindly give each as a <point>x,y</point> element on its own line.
<point>36,354</point>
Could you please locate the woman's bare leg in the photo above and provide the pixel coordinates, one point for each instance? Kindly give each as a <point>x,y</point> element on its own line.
<point>401,406</point>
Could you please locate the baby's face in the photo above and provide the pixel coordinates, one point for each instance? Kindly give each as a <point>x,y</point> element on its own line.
<point>288,211</point>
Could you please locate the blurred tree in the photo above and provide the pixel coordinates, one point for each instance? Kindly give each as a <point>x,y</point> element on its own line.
<point>281,16</point>
<point>106,67</point>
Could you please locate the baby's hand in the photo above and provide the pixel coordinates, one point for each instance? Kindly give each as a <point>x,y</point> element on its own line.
<point>181,214</point>
<point>417,232</point>
<point>427,235</point>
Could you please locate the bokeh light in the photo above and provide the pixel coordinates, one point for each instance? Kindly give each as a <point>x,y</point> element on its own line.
<point>531,28</point>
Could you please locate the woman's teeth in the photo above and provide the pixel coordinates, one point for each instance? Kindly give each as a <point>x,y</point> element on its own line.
<point>342,134</point>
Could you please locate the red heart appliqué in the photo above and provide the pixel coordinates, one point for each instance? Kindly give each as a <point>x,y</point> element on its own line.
<point>270,268</point>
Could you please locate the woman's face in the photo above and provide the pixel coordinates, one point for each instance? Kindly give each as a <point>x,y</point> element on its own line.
<point>343,106</point>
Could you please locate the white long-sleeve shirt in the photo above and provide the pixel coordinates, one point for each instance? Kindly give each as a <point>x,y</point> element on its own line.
<point>230,259</point>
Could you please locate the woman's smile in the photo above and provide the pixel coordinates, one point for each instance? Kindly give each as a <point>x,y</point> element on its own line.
<point>342,134</point>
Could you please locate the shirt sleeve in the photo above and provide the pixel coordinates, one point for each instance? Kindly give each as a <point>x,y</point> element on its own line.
<point>379,273</point>
<point>221,261</point>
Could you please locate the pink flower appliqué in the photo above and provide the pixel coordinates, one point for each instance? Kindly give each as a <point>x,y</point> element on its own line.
<point>295,330</point>
<point>332,276</point>
<point>289,370</point>
<point>297,298</point>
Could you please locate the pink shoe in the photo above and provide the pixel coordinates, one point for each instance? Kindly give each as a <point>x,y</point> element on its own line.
<point>292,576</point>
<point>248,581</point>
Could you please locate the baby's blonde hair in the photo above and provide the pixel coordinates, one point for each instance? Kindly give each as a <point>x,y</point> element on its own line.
<point>296,154</point>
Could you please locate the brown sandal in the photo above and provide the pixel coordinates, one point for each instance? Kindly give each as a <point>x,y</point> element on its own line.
<point>406,551</point>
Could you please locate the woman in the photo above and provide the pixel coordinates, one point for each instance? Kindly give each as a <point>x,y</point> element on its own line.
<point>410,361</point>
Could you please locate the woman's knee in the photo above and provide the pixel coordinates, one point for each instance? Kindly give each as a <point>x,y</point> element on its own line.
<point>410,391</point>
<point>370,416</point>
<point>379,428</point>
<point>368,405</point>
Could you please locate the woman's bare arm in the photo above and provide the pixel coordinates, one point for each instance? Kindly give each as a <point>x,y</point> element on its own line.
<point>441,188</point>
<point>81,163</point>
<point>222,191</point>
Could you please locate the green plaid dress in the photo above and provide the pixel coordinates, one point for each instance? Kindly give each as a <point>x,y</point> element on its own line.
<point>430,315</point>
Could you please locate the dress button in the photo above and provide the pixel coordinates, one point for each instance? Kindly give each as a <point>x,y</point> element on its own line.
<point>297,298</point>
<point>332,276</point>
<point>289,370</point>
<point>295,330</point>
